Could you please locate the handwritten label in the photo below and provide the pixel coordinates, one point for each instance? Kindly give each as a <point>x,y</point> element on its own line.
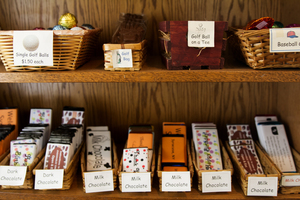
<point>49,179</point>
<point>284,40</point>
<point>262,186</point>
<point>201,34</point>
<point>290,180</point>
<point>122,58</point>
<point>136,182</point>
<point>176,181</point>
<point>216,181</point>
<point>33,48</point>
<point>99,181</point>
<point>12,175</point>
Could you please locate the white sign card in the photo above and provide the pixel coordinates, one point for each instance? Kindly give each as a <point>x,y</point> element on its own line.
<point>262,186</point>
<point>216,181</point>
<point>33,48</point>
<point>176,181</point>
<point>284,39</point>
<point>201,34</point>
<point>136,182</point>
<point>99,181</point>
<point>12,175</point>
<point>49,179</point>
<point>122,58</point>
<point>290,180</point>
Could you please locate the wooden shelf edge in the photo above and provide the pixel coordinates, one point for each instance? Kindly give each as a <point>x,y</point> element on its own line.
<point>152,71</point>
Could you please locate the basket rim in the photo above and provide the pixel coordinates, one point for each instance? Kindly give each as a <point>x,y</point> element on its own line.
<point>57,32</point>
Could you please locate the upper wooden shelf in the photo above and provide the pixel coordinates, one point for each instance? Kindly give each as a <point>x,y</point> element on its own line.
<point>153,71</point>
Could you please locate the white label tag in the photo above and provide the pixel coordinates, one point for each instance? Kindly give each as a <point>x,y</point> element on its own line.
<point>284,39</point>
<point>99,181</point>
<point>290,180</point>
<point>216,181</point>
<point>33,48</point>
<point>262,186</point>
<point>176,181</point>
<point>12,175</point>
<point>122,58</point>
<point>201,34</point>
<point>136,182</point>
<point>49,179</point>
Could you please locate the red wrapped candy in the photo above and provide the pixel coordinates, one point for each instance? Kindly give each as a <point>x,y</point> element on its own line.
<point>261,23</point>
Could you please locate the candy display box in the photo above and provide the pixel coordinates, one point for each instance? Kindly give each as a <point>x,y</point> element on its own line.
<point>139,55</point>
<point>71,49</point>
<point>28,182</point>
<point>227,164</point>
<point>69,172</point>
<point>268,167</point>
<point>252,47</point>
<point>288,180</point>
<point>177,55</point>
<point>115,164</point>
<point>160,170</point>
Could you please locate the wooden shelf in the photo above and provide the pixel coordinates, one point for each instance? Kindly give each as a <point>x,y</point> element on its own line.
<point>153,71</point>
<point>76,192</point>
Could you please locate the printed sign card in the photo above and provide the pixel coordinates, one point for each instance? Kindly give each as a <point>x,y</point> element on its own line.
<point>284,39</point>
<point>122,58</point>
<point>201,34</point>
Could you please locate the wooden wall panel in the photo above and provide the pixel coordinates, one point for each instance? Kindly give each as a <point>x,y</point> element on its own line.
<point>120,104</point>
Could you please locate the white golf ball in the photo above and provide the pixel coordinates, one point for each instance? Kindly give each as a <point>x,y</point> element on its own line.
<point>31,42</point>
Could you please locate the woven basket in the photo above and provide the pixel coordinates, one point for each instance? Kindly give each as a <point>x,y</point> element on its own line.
<point>286,189</point>
<point>139,55</point>
<point>4,155</point>
<point>159,166</point>
<point>252,47</point>
<point>269,168</point>
<point>69,172</point>
<point>120,171</point>
<point>28,182</point>
<point>71,49</point>
<point>115,164</point>
<point>227,164</point>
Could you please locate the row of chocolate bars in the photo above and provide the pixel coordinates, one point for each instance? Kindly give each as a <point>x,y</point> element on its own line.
<point>138,151</point>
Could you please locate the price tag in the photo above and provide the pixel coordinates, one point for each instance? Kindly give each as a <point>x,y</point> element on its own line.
<point>262,186</point>
<point>176,181</point>
<point>99,181</point>
<point>216,181</point>
<point>49,179</point>
<point>290,180</point>
<point>12,175</point>
<point>201,34</point>
<point>284,39</point>
<point>33,48</point>
<point>122,58</point>
<point>136,182</point>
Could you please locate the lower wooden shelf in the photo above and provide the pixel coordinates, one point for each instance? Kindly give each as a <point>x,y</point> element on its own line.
<point>76,192</point>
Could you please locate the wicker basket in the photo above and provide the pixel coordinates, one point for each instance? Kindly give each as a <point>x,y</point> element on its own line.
<point>71,49</point>
<point>252,47</point>
<point>159,167</point>
<point>139,55</point>
<point>69,172</point>
<point>286,189</point>
<point>268,167</point>
<point>28,182</point>
<point>227,164</point>
<point>120,171</point>
<point>4,155</point>
<point>115,164</point>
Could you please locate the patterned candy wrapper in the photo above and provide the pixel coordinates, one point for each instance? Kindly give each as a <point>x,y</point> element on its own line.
<point>22,154</point>
<point>238,132</point>
<point>57,156</point>
<point>40,116</point>
<point>73,117</point>
<point>135,160</point>
<point>208,149</point>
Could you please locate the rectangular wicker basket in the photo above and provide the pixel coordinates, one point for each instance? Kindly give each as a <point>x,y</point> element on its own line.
<point>227,164</point>
<point>139,55</point>
<point>286,189</point>
<point>4,155</point>
<point>159,166</point>
<point>71,49</point>
<point>28,182</point>
<point>268,167</point>
<point>115,164</point>
<point>69,172</point>
<point>252,47</point>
